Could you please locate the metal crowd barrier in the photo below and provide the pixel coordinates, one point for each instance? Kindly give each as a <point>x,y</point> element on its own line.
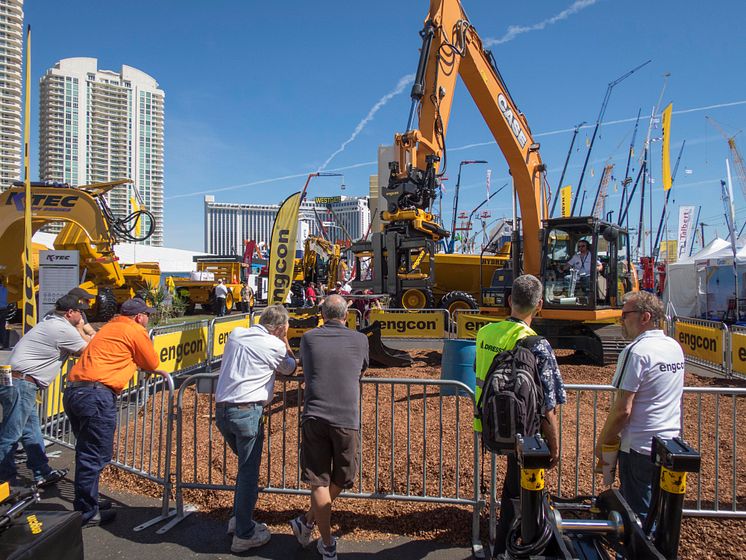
<point>410,470</point>
<point>705,343</point>
<point>407,324</point>
<point>720,442</point>
<point>143,440</point>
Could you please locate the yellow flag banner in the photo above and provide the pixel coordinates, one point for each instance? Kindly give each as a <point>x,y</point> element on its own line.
<point>566,200</point>
<point>29,298</point>
<point>138,222</point>
<point>666,169</point>
<point>282,249</point>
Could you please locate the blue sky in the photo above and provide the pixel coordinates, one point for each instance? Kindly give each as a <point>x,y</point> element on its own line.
<point>260,91</point>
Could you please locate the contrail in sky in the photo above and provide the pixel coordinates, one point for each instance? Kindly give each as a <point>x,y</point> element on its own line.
<point>515,30</point>
<point>455,149</point>
<point>404,81</point>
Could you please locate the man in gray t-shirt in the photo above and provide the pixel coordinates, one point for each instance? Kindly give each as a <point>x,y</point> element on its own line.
<point>333,359</point>
<point>35,362</point>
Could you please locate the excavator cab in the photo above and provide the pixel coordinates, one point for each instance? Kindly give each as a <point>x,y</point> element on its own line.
<point>585,264</point>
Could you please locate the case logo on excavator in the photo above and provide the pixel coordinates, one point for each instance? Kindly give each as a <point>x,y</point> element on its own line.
<point>55,202</point>
<point>512,119</point>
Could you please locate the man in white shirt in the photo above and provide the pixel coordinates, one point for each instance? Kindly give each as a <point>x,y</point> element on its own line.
<point>221,293</point>
<point>35,362</point>
<point>583,260</point>
<point>650,381</point>
<point>246,384</point>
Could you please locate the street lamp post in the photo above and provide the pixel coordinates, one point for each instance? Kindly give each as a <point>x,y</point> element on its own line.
<point>452,241</point>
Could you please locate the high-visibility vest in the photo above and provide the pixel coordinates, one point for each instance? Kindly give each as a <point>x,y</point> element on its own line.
<point>492,339</point>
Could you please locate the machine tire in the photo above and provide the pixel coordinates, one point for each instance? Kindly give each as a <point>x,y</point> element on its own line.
<point>414,298</point>
<point>106,305</point>
<point>229,303</point>
<point>456,300</point>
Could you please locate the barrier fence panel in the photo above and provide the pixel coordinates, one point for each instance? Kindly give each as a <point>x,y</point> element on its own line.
<point>469,321</point>
<point>417,444</point>
<point>143,439</point>
<point>738,350</point>
<point>183,347</point>
<point>407,323</point>
<point>220,328</point>
<point>710,422</point>
<point>704,343</point>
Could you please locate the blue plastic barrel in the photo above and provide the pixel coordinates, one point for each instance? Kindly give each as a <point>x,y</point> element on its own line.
<point>458,364</point>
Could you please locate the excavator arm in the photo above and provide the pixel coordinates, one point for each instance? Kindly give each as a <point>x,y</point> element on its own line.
<point>451,47</point>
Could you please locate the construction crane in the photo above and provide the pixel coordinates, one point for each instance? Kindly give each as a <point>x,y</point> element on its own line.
<point>734,151</point>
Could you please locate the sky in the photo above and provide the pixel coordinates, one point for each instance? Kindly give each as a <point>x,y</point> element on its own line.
<point>258,95</point>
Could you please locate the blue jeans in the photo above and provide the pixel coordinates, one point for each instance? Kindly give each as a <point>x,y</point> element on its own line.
<point>636,478</point>
<point>243,431</point>
<point>93,417</point>
<point>21,422</point>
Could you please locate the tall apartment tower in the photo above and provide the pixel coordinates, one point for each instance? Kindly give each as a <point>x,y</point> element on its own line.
<point>11,58</point>
<point>99,125</point>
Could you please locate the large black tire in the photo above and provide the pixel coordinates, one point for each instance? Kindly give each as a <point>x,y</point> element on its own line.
<point>457,300</point>
<point>229,303</point>
<point>106,305</point>
<point>414,298</point>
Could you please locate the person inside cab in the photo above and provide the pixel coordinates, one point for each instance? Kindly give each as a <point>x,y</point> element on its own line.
<point>580,265</point>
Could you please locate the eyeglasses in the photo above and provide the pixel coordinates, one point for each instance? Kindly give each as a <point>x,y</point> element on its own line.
<point>625,313</point>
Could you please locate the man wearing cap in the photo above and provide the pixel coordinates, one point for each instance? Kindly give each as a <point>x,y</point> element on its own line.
<point>106,366</point>
<point>221,294</point>
<point>84,297</point>
<point>35,362</point>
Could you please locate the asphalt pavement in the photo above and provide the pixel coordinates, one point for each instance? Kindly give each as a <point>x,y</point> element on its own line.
<point>202,536</point>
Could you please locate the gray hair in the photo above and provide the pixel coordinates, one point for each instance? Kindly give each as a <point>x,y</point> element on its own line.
<point>526,293</point>
<point>334,307</point>
<point>274,316</point>
<point>645,301</point>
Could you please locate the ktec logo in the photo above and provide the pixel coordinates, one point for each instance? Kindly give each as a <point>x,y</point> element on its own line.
<point>57,201</point>
<point>56,258</point>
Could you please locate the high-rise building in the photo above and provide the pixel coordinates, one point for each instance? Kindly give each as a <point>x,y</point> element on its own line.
<point>11,57</point>
<point>99,125</point>
<point>228,225</point>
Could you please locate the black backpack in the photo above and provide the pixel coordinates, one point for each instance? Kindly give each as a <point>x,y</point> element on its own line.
<point>512,397</point>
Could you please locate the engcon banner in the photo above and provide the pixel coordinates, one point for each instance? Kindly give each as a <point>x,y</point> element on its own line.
<point>282,249</point>
<point>410,325</point>
<point>467,324</point>
<point>181,350</point>
<point>738,352</point>
<point>222,329</point>
<point>705,343</point>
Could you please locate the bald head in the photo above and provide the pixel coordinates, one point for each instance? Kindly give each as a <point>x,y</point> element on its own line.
<point>334,308</point>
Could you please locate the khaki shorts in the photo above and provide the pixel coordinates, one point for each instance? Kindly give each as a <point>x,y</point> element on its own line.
<point>328,454</point>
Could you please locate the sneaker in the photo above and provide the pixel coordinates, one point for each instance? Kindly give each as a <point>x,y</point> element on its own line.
<point>51,478</point>
<point>101,518</point>
<point>327,552</point>
<point>260,537</point>
<point>301,530</point>
<point>232,526</point>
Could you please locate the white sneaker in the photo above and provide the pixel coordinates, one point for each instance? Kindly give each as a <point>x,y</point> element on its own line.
<point>232,526</point>
<point>327,552</point>
<point>302,531</point>
<point>260,537</point>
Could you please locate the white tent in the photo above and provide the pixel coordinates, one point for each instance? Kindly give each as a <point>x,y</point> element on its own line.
<point>680,294</point>
<point>716,283</point>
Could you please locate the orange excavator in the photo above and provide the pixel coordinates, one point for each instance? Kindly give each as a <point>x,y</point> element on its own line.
<point>581,306</point>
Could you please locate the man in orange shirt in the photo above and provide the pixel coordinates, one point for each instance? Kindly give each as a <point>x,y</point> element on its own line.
<point>106,366</point>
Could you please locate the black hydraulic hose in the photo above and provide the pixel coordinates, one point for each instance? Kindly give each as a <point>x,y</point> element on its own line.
<point>418,88</point>
<point>526,550</point>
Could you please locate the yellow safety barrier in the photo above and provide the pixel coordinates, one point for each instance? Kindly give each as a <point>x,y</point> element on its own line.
<point>468,324</point>
<point>705,343</point>
<point>181,350</point>
<point>410,324</point>
<point>221,330</point>
<point>738,352</point>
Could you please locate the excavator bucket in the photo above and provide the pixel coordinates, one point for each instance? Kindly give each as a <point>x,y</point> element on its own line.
<point>381,355</point>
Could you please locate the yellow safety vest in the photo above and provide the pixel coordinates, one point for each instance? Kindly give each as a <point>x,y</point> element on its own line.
<point>492,339</point>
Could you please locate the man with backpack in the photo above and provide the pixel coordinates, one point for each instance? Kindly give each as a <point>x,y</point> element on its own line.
<point>514,365</point>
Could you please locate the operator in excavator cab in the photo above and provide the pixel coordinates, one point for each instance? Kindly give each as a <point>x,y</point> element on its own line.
<point>579,266</point>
